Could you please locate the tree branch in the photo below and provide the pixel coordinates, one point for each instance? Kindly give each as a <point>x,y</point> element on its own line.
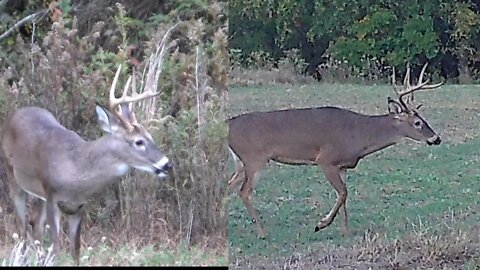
<point>23,21</point>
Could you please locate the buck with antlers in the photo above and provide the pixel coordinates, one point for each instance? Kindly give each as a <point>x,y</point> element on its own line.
<point>56,165</point>
<point>333,138</point>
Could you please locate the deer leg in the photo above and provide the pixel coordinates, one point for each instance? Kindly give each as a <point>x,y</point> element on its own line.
<point>332,174</point>
<point>19,197</point>
<point>239,169</point>
<point>19,201</point>
<point>74,228</point>
<point>246,194</point>
<point>236,175</point>
<point>38,224</point>
<point>343,175</point>
<point>233,180</point>
<point>53,220</point>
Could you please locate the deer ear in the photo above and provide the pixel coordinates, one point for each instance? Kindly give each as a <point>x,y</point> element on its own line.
<point>394,107</point>
<point>107,121</point>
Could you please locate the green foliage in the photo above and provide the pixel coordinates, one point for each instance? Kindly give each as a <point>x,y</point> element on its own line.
<point>65,6</point>
<point>190,8</point>
<point>465,35</point>
<point>361,32</point>
<point>294,58</point>
<point>69,68</point>
<point>382,35</point>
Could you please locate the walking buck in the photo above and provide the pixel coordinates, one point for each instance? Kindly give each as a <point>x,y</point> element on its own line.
<point>55,164</point>
<point>333,138</point>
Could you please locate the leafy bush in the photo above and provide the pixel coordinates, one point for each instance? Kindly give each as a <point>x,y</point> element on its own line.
<point>69,69</point>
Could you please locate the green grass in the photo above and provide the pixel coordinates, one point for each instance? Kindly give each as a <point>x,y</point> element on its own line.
<point>402,190</point>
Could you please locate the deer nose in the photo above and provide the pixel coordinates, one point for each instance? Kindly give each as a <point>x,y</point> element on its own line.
<point>168,167</point>
<point>163,166</point>
<point>436,141</point>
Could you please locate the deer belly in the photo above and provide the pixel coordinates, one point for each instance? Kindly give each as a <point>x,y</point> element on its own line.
<point>30,184</point>
<point>294,156</point>
<point>292,161</point>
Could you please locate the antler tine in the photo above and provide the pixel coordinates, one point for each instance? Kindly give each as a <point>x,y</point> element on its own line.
<point>115,104</point>
<point>395,89</point>
<point>420,78</point>
<point>421,85</point>
<point>112,88</point>
<point>133,119</point>
<point>125,99</point>
<point>428,86</point>
<point>410,91</point>
<point>406,80</point>
<point>433,85</point>
<point>122,100</point>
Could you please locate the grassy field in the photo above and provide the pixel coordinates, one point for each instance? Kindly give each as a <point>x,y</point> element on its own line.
<point>107,255</point>
<point>410,205</point>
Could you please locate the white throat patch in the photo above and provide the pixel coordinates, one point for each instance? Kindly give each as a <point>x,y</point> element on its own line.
<point>121,169</point>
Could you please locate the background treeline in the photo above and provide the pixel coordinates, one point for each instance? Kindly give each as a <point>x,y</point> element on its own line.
<point>359,38</point>
<point>66,60</point>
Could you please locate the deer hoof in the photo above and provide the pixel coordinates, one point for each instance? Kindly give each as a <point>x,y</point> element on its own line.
<point>261,234</point>
<point>319,227</point>
<point>322,225</point>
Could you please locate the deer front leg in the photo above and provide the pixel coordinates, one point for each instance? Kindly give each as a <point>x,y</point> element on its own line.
<point>74,227</point>
<point>239,170</point>
<point>332,174</point>
<point>235,177</point>
<point>53,220</point>
<point>19,197</point>
<point>19,201</point>
<point>38,223</point>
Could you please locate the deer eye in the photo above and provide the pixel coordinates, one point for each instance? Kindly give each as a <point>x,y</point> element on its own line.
<point>139,142</point>
<point>417,123</point>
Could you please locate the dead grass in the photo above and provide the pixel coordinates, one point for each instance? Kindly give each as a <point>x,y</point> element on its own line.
<point>107,252</point>
<point>452,250</point>
<point>283,75</point>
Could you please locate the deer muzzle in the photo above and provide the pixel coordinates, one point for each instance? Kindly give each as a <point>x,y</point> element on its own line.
<point>435,140</point>
<point>163,167</point>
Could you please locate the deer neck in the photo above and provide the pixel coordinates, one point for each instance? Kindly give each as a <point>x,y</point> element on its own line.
<point>382,133</point>
<point>99,163</point>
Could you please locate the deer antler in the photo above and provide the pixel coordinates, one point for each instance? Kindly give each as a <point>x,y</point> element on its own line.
<point>409,89</point>
<point>123,106</point>
<point>118,105</point>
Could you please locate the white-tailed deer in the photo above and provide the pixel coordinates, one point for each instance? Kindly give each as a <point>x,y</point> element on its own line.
<point>56,165</point>
<point>333,138</point>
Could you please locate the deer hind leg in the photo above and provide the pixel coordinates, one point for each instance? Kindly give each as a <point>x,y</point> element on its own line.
<point>343,175</point>
<point>333,175</point>
<point>246,194</point>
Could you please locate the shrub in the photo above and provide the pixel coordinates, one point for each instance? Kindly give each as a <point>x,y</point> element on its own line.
<point>68,73</point>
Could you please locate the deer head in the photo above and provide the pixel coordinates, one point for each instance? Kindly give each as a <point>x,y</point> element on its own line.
<point>132,139</point>
<point>408,119</point>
